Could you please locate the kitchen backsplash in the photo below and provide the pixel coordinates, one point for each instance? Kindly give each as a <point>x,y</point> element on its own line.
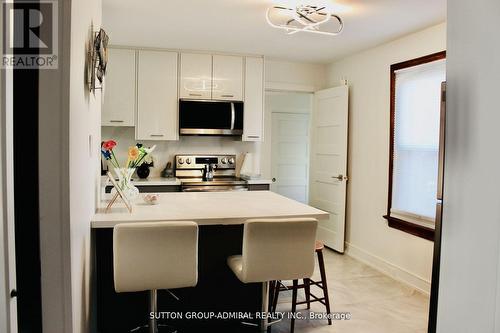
<point>166,150</point>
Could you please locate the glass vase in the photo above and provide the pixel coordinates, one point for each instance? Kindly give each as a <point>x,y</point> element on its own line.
<point>125,182</point>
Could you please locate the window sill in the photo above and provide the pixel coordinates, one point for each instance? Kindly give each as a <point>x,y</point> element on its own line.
<point>411,228</point>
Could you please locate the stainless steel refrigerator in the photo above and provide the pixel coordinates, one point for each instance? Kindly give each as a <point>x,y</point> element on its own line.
<point>439,215</point>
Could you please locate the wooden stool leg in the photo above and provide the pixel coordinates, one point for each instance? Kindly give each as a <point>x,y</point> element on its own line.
<point>294,305</point>
<point>324,284</point>
<point>307,291</point>
<point>272,284</point>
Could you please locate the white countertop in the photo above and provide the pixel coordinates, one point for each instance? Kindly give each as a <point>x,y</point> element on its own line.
<point>259,181</point>
<point>156,181</point>
<point>151,181</point>
<point>207,208</point>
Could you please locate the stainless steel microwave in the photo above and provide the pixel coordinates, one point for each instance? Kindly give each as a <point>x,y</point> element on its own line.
<point>210,117</point>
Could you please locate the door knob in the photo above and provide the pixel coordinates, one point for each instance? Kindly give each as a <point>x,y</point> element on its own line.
<point>339,177</point>
<point>274,180</point>
<point>13,293</point>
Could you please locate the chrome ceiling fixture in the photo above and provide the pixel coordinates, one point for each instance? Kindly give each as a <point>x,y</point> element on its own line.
<point>306,18</point>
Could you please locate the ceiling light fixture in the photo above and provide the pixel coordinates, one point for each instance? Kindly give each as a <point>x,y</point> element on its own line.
<point>306,18</point>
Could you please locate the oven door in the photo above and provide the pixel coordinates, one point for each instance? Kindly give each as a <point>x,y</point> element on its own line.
<point>213,188</point>
<point>210,117</point>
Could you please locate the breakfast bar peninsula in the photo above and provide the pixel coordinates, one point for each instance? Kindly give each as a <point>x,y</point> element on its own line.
<point>220,216</point>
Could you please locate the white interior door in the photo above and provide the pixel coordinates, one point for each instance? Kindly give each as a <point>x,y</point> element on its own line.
<point>328,178</point>
<point>8,304</point>
<point>290,155</point>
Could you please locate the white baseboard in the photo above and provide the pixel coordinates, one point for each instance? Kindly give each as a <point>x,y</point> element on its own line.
<point>389,269</point>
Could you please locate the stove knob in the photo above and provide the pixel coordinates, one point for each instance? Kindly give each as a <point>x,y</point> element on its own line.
<point>180,160</point>
<point>224,160</point>
<point>188,160</point>
<point>231,160</point>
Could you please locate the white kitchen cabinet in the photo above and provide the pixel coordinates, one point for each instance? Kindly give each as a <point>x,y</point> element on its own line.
<point>119,94</point>
<point>253,116</point>
<point>157,96</point>
<point>227,78</point>
<point>196,76</point>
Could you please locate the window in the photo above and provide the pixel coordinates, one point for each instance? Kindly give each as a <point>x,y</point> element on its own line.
<point>414,146</point>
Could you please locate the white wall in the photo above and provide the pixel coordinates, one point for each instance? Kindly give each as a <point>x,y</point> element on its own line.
<point>294,76</point>
<point>278,75</point>
<point>469,288</point>
<point>69,126</point>
<point>402,255</point>
<point>53,145</point>
<point>84,154</point>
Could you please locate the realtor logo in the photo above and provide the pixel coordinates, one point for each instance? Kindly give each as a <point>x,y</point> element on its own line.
<point>30,34</point>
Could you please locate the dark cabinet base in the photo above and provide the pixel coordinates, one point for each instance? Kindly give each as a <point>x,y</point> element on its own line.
<point>218,289</point>
<point>177,188</point>
<point>258,187</point>
<point>151,188</point>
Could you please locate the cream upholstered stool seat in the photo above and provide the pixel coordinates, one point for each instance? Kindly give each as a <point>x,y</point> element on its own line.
<point>155,255</point>
<point>275,249</point>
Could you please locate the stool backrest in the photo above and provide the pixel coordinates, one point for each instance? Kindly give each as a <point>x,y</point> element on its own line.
<point>155,255</point>
<point>278,249</point>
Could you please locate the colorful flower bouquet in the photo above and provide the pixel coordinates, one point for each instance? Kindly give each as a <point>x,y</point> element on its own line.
<point>136,155</point>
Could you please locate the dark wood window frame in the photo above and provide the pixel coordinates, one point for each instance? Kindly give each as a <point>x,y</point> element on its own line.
<point>393,222</point>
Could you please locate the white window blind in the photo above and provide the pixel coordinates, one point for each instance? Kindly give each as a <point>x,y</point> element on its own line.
<point>416,141</point>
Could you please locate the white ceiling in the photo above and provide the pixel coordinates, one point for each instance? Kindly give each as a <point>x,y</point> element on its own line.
<point>239,26</point>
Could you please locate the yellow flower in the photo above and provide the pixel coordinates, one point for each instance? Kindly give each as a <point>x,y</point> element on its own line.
<point>133,153</point>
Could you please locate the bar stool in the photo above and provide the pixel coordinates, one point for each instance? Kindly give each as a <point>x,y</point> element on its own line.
<point>307,283</point>
<point>157,255</point>
<point>275,249</point>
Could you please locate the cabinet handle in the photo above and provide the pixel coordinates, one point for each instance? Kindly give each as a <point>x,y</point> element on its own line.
<point>156,135</point>
<point>190,94</point>
<point>233,116</point>
<point>226,95</point>
<point>253,136</point>
<point>116,121</point>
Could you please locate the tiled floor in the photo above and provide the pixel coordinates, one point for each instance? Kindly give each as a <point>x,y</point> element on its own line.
<point>376,302</point>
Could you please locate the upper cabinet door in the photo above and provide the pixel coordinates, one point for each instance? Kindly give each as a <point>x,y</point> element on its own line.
<point>196,76</point>
<point>119,96</point>
<point>157,96</point>
<point>253,114</point>
<point>227,78</point>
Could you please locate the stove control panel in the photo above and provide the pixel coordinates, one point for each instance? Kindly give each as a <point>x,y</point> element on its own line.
<point>199,161</point>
